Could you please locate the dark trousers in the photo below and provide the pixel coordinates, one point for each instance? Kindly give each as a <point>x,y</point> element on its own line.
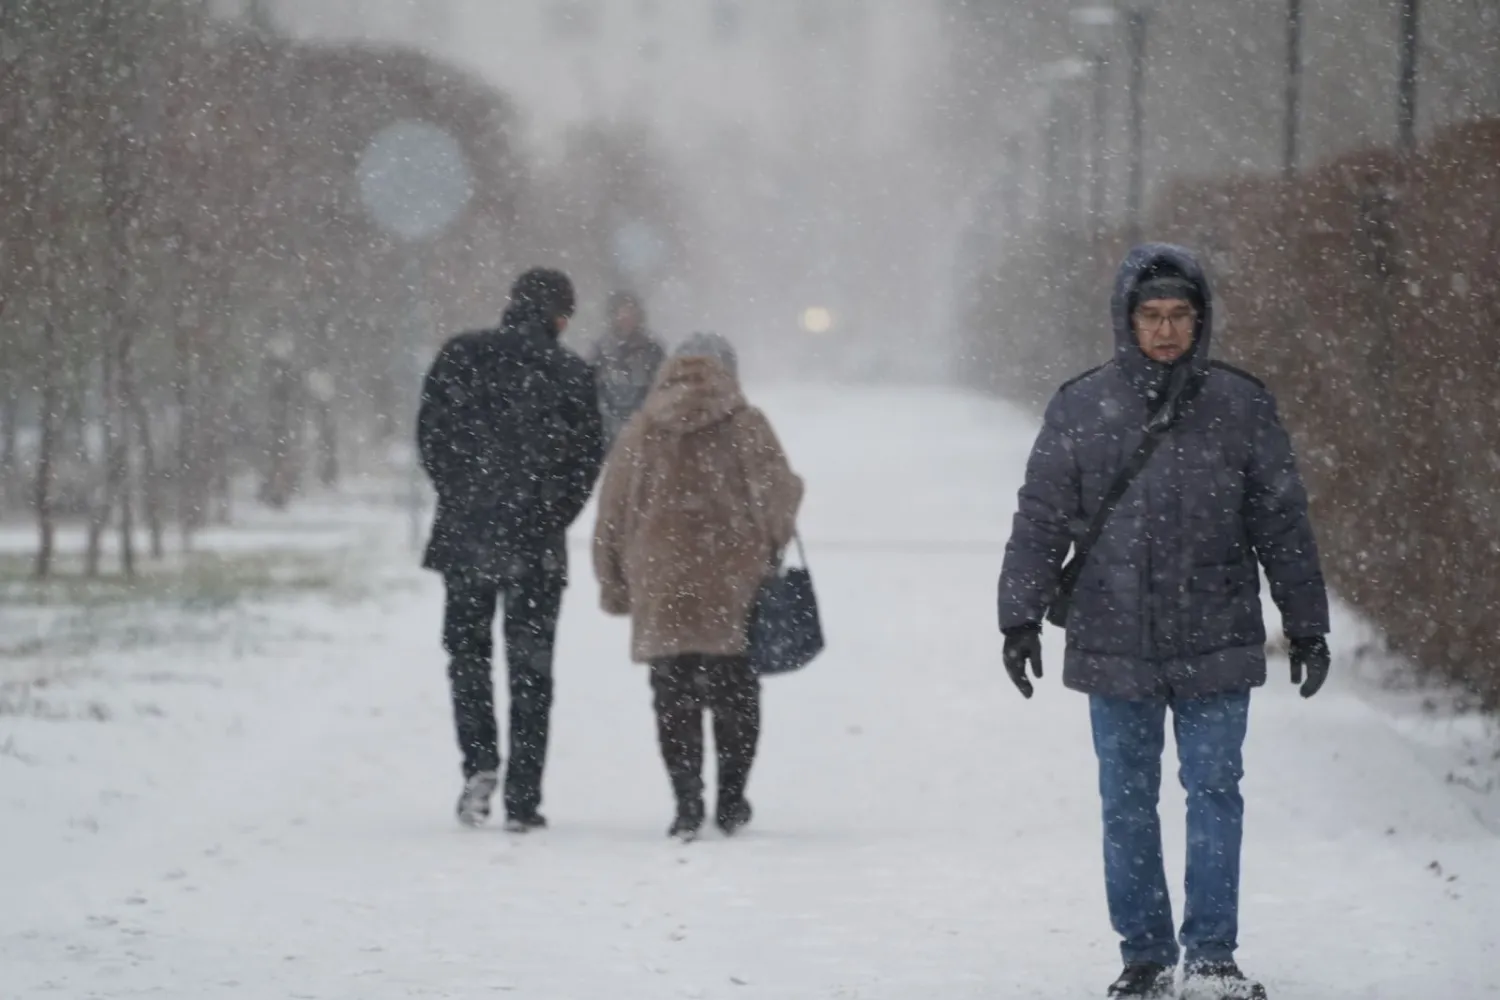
<point>530,606</point>
<point>1129,738</point>
<point>683,686</point>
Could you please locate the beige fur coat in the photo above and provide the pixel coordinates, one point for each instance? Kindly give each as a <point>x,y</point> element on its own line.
<point>696,504</point>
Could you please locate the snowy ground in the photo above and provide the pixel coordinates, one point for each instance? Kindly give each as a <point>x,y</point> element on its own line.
<point>260,807</point>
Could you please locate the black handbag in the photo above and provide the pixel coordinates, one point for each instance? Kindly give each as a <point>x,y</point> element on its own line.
<point>786,629</point>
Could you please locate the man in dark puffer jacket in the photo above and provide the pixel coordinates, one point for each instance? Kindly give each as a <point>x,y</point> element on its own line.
<point>1167,612</point>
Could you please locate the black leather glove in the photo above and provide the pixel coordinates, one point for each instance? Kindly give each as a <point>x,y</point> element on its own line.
<point>1312,653</point>
<point>1023,643</point>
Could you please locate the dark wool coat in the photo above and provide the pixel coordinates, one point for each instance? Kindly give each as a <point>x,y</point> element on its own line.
<point>1169,601</point>
<point>509,433</point>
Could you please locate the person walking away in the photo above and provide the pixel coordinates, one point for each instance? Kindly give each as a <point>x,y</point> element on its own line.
<point>696,506</point>
<point>626,361</point>
<point>509,433</point>
<point>1166,614</point>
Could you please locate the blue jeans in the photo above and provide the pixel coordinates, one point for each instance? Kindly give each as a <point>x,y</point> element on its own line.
<point>1129,737</point>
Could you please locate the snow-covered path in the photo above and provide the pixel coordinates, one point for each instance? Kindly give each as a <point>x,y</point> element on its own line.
<point>276,821</point>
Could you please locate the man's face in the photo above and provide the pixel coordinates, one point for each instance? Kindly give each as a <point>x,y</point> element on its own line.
<point>627,317</point>
<point>1164,328</point>
<point>562,324</point>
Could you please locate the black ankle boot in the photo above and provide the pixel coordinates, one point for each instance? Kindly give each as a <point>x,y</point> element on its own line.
<point>732,815</point>
<point>1219,981</point>
<point>1144,981</point>
<point>689,820</point>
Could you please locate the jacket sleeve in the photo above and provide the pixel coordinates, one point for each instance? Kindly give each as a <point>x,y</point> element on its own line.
<point>1279,528</point>
<point>656,358</point>
<point>612,526</point>
<point>1048,505</point>
<point>585,451</point>
<point>774,487</point>
<point>439,445</point>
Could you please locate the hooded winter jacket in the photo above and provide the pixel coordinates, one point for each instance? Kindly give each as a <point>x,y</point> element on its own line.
<point>696,503</point>
<point>1169,600</point>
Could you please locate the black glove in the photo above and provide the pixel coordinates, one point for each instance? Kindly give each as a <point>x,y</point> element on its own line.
<point>1023,643</point>
<point>1310,652</point>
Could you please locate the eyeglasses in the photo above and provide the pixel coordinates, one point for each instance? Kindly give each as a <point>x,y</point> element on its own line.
<point>1182,321</point>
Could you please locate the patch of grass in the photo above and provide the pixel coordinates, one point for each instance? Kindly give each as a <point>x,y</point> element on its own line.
<point>198,580</point>
<point>200,598</point>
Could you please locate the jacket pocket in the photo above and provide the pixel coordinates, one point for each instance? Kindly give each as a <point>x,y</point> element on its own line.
<point>1105,616</point>
<point>1222,608</point>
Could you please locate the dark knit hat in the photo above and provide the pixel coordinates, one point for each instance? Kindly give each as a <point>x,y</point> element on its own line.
<point>543,293</point>
<point>1169,286</point>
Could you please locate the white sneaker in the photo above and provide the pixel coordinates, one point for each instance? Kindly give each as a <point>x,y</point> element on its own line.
<point>474,803</point>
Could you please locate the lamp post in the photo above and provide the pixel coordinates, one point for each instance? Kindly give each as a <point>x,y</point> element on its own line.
<point>1012,188</point>
<point>1057,78</point>
<point>1096,27</point>
<point>1406,93</point>
<point>1293,87</point>
<point>1137,19</point>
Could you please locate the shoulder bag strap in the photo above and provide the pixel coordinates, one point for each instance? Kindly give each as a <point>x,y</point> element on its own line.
<point>1057,612</point>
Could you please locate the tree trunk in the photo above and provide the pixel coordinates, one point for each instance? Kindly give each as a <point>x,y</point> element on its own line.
<point>10,413</point>
<point>189,472</point>
<point>281,445</point>
<point>150,474</point>
<point>45,521</point>
<point>217,446</point>
<point>328,445</point>
<point>122,463</point>
<point>103,505</point>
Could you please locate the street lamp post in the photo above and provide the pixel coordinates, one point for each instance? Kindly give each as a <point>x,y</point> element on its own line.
<point>1012,187</point>
<point>1293,88</point>
<point>1096,26</point>
<point>1406,95</point>
<point>1061,164</point>
<point>1137,18</point>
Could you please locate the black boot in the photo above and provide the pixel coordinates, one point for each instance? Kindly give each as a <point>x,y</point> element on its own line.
<point>474,801</point>
<point>525,822</point>
<point>689,820</point>
<point>1219,981</point>
<point>732,815</point>
<point>1146,980</point>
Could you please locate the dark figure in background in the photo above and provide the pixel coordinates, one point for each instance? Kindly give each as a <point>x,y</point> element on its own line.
<point>1167,613</point>
<point>626,360</point>
<point>509,433</point>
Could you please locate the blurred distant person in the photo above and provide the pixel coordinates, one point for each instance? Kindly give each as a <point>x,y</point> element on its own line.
<point>509,433</point>
<point>696,506</point>
<point>626,359</point>
<point>1166,614</point>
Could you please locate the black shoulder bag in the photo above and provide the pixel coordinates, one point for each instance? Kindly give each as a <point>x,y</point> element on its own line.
<point>785,630</point>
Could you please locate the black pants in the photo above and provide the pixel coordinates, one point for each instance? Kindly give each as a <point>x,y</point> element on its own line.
<point>683,687</point>
<point>530,606</point>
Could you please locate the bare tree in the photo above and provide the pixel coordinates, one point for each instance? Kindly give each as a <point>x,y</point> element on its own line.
<point>46,448</point>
